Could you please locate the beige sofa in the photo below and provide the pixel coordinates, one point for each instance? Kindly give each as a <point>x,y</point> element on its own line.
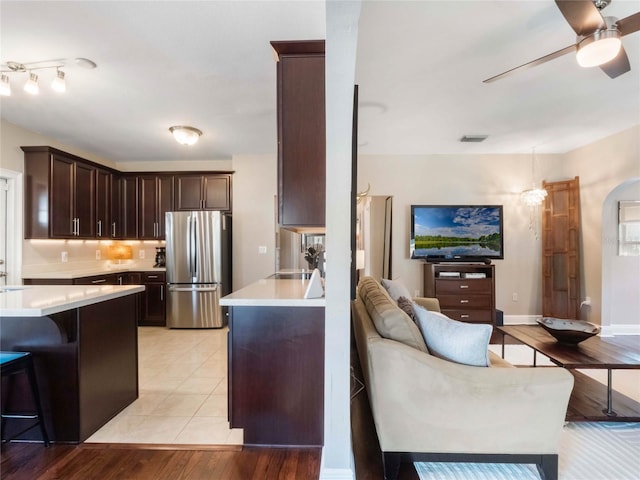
<point>429,409</point>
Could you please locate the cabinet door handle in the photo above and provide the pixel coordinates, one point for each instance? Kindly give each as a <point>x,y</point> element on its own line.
<point>464,301</point>
<point>102,280</point>
<point>464,316</point>
<point>99,228</point>
<point>464,286</point>
<point>161,293</point>
<point>120,280</point>
<point>113,229</point>
<point>78,231</point>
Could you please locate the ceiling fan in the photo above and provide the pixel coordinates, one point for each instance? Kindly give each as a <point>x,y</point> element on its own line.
<point>598,38</point>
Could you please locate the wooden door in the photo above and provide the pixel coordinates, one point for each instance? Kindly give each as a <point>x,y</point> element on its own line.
<point>217,192</point>
<point>189,192</point>
<point>103,204</point>
<point>561,250</point>
<point>85,200</point>
<point>62,213</point>
<point>164,202</point>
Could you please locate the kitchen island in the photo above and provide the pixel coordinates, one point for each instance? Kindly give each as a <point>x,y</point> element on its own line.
<point>84,344</point>
<point>276,363</point>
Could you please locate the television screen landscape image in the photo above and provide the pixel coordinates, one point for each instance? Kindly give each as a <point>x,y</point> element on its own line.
<point>456,232</point>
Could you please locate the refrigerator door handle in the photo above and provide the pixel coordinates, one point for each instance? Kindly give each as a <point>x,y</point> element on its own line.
<point>194,239</point>
<point>193,289</point>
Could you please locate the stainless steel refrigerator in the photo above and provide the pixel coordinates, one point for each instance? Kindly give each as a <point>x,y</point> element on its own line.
<point>198,268</point>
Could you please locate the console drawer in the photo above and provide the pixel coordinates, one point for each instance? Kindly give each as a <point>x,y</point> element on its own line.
<point>460,286</point>
<point>464,301</point>
<point>472,316</point>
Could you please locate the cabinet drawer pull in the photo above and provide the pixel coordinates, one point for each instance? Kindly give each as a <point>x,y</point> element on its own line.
<point>102,280</point>
<point>152,276</point>
<point>464,315</point>
<point>464,286</point>
<point>464,301</point>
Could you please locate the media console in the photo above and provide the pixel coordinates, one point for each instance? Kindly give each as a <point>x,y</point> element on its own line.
<point>466,291</point>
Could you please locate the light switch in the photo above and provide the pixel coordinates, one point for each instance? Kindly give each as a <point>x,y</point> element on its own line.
<point>262,249</point>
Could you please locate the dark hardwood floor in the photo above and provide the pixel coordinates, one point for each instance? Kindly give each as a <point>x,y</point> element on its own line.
<point>26,461</point>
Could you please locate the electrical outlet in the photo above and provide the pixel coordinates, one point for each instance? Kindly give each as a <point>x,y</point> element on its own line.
<point>64,257</point>
<point>141,254</point>
<point>98,255</point>
<point>262,249</point>
<point>416,293</point>
<point>514,296</point>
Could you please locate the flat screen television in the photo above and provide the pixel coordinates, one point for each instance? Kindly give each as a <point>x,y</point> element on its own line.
<point>457,232</point>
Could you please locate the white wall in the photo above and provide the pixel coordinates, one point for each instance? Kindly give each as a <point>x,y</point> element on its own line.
<point>463,179</point>
<point>498,179</point>
<point>254,186</point>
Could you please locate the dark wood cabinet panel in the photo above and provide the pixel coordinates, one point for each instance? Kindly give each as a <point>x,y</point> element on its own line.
<point>115,204</point>
<point>154,303</point>
<point>276,365</point>
<point>84,198</point>
<point>103,204</point>
<point>62,214</point>
<point>129,207</point>
<point>203,192</point>
<point>155,194</point>
<point>461,296</point>
<point>301,133</point>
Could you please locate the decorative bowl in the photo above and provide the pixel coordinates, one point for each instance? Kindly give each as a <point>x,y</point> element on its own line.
<point>570,332</point>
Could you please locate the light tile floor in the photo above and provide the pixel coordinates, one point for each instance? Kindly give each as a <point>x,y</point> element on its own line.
<point>182,391</point>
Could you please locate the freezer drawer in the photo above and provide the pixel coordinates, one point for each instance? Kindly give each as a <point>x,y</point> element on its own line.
<point>194,306</point>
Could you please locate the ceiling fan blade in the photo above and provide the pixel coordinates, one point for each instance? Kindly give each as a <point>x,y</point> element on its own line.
<point>629,24</point>
<point>533,63</point>
<point>582,15</point>
<point>618,65</point>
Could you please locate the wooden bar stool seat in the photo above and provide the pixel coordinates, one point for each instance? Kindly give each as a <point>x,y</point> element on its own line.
<point>13,363</point>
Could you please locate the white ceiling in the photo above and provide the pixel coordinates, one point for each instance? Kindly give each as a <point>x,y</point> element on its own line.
<point>209,64</point>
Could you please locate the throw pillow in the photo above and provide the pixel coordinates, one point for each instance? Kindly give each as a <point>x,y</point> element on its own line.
<point>395,289</point>
<point>466,343</point>
<point>406,305</point>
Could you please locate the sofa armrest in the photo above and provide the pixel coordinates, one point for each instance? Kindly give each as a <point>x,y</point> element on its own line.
<point>421,403</point>
<point>429,303</point>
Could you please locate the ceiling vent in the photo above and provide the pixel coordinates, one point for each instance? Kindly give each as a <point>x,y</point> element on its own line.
<point>474,138</point>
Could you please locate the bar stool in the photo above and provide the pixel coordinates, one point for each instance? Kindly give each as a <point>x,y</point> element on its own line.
<point>12,363</point>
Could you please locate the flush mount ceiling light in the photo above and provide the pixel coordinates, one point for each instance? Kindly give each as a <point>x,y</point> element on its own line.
<point>31,85</point>
<point>185,135</point>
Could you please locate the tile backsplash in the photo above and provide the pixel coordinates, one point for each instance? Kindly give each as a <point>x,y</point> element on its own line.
<point>40,256</point>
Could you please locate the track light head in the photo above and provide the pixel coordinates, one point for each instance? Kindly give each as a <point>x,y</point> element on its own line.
<point>32,84</point>
<point>59,84</point>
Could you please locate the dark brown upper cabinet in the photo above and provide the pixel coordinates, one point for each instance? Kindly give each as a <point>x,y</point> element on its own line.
<point>60,195</point>
<point>103,204</point>
<point>301,133</point>
<point>127,225</point>
<point>155,198</point>
<point>203,192</point>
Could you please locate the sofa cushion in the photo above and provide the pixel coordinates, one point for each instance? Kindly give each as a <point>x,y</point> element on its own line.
<point>406,305</point>
<point>389,320</point>
<point>459,342</point>
<point>395,289</point>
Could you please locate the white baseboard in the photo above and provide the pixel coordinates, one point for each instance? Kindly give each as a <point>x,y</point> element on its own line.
<point>611,330</point>
<point>520,319</point>
<point>337,473</point>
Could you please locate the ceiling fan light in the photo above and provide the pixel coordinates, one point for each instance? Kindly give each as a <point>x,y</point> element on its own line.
<point>185,135</point>
<point>59,84</point>
<point>5,86</point>
<point>599,48</point>
<point>32,84</point>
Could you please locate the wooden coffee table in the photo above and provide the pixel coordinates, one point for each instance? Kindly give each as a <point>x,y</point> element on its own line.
<point>589,396</point>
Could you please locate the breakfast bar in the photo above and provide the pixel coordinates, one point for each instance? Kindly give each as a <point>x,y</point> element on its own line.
<point>276,363</point>
<point>84,344</point>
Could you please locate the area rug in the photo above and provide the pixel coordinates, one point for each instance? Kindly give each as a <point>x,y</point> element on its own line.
<point>588,451</point>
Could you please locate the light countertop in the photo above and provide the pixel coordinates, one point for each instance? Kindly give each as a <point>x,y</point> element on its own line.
<point>272,293</point>
<point>40,301</point>
<point>71,274</point>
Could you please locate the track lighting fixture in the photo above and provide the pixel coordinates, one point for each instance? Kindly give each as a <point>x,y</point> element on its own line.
<point>31,86</point>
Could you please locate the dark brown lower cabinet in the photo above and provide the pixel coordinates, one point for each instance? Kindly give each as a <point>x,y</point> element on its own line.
<point>276,374</point>
<point>86,363</point>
